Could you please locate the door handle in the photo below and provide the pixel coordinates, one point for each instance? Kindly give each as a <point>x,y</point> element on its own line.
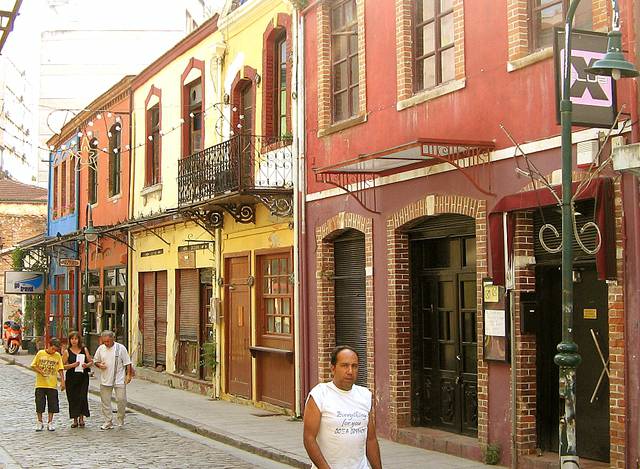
<point>459,358</point>
<point>458,380</point>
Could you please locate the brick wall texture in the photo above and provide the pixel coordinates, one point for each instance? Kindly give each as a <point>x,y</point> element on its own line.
<point>325,234</point>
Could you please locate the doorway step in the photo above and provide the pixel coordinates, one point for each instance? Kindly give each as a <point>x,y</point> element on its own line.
<point>441,441</point>
<point>550,461</point>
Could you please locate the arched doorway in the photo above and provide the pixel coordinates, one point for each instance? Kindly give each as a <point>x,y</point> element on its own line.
<point>444,366</point>
<point>350,296</point>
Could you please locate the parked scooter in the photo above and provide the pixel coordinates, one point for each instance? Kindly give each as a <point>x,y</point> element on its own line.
<point>11,337</point>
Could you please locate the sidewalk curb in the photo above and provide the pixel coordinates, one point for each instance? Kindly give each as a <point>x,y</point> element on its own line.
<point>226,438</point>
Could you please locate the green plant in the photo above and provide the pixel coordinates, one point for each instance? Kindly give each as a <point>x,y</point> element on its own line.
<point>17,259</point>
<point>34,308</point>
<point>491,454</point>
<point>209,356</point>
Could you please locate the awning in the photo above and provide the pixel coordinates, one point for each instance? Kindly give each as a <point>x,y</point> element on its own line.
<point>599,189</point>
<point>356,174</point>
<point>421,152</point>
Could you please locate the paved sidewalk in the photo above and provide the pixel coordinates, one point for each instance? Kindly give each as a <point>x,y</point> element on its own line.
<point>273,436</point>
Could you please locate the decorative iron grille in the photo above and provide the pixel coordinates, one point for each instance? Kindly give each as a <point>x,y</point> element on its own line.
<point>243,164</point>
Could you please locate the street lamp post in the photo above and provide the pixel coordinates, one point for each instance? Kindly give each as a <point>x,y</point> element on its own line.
<point>612,64</point>
<point>90,236</point>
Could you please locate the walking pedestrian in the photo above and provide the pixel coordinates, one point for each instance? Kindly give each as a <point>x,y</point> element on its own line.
<point>339,423</point>
<point>116,372</point>
<point>47,364</point>
<point>77,382</point>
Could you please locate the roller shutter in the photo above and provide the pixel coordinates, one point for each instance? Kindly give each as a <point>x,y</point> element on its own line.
<point>161,317</point>
<point>189,304</point>
<point>350,300</point>
<point>148,310</point>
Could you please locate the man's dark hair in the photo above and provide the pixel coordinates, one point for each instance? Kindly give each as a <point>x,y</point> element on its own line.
<point>340,348</point>
<point>55,343</point>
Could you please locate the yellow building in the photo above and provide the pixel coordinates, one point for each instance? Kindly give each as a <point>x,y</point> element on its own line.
<point>256,249</point>
<point>215,169</point>
<point>173,260</point>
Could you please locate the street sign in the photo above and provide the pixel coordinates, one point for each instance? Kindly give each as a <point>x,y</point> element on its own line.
<point>68,262</point>
<point>23,282</point>
<point>593,97</point>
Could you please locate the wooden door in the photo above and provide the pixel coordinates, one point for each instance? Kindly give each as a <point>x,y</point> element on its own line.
<point>444,330</point>
<point>275,355</point>
<point>238,326</point>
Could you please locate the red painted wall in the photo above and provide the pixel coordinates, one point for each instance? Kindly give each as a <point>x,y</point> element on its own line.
<point>523,100</point>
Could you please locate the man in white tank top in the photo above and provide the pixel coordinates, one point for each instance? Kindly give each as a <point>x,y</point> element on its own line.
<point>339,424</point>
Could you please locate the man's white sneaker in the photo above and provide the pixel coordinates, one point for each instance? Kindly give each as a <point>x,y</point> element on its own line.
<point>39,426</point>
<point>106,426</point>
<point>51,427</point>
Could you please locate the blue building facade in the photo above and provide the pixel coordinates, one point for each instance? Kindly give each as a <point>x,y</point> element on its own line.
<point>62,231</point>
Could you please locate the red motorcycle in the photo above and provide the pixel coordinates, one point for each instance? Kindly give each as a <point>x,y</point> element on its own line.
<point>11,337</point>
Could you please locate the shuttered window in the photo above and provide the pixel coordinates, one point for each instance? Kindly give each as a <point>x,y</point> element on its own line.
<point>350,300</point>
<point>189,304</point>
<point>154,317</point>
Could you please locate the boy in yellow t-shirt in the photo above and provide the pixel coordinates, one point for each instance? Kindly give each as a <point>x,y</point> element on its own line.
<point>47,363</point>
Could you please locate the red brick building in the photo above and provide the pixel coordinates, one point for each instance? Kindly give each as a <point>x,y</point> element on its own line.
<point>414,187</point>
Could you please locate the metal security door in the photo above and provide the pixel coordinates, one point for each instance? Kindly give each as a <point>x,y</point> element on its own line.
<point>148,315</point>
<point>350,300</point>
<point>161,317</point>
<point>238,327</point>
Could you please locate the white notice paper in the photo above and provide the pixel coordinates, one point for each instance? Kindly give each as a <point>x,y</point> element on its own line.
<point>79,359</point>
<point>494,323</point>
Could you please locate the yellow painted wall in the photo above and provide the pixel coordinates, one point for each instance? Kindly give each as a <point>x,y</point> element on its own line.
<point>176,235</point>
<point>243,33</point>
<point>168,80</point>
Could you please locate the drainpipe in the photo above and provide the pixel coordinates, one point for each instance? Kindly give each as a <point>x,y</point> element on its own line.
<point>510,284</point>
<point>130,256</point>
<point>302,221</point>
<point>631,242</point>
<point>298,204</point>
<point>218,384</point>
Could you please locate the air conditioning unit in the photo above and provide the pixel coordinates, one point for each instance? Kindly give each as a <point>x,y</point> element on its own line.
<point>587,153</point>
<point>626,158</point>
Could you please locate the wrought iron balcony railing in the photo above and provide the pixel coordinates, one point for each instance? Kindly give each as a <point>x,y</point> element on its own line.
<point>245,164</point>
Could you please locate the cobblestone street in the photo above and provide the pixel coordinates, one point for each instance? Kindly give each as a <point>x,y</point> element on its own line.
<point>143,442</point>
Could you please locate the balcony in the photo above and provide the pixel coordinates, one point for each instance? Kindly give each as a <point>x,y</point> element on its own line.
<point>236,174</point>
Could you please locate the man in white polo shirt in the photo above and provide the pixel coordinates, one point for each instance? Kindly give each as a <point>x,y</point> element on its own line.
<point>115,373</point>
<point>339,423</point>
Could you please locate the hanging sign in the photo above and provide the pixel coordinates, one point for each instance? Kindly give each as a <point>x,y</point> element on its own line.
<point>593,96</point>
<point>67,262</point>
<point>24,282</point>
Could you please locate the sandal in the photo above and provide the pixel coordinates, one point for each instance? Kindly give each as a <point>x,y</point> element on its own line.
<point>74,425</point>
<point>81,424</point>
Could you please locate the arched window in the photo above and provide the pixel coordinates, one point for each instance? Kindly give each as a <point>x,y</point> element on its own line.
<point>115,147</point>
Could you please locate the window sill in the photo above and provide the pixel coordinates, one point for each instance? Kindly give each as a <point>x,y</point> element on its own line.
<point>342,125</point>
<point>530,59</point>
<point>433,93</point>
<point>115,198</point>
<point>151,189</point>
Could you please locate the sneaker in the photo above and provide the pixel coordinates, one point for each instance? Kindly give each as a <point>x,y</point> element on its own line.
<point>39,426</point>
<point>106,426</point>
<point>121,423</point>
<point>51,427</point>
